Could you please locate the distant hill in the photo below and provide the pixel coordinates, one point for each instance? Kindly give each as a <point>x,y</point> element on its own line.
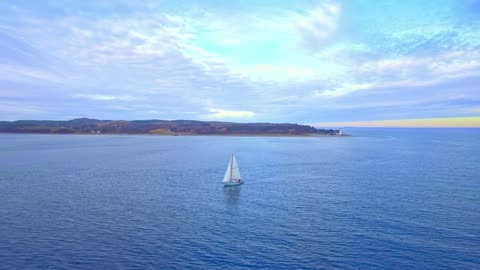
<point>160,127</point>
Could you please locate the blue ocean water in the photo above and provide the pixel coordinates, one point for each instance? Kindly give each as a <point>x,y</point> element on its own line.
<point>382,199</point>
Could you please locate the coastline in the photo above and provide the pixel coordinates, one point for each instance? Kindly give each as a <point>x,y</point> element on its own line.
<point>184,135</point>
<point>162,127</point>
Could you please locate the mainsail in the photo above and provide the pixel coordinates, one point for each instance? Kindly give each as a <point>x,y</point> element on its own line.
<point>233,172</point>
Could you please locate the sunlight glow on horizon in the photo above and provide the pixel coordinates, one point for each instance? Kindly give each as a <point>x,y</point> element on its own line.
<point>452,122</point>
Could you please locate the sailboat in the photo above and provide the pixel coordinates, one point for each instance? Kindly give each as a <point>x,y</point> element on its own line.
<point>232,175</point>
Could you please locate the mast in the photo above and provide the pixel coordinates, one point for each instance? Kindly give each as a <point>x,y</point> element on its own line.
<point>231,167</point>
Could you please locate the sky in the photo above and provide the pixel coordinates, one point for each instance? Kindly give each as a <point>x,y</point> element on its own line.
<point>315,62</point>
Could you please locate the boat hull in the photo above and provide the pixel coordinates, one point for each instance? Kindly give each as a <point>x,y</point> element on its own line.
<point>229,184</point>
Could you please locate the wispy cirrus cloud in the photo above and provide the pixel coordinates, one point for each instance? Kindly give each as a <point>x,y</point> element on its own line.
<point>118,60</point>
<point>409,72</point>
<point>318,25</point>
<point>26,73</point>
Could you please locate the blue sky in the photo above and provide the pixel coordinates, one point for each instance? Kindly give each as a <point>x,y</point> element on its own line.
<point>249,61</point>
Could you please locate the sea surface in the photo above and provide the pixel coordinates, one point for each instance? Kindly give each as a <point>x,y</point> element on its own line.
<point>381,199</point>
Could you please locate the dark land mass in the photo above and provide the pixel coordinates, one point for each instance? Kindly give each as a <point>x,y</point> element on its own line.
<point>160,127</point>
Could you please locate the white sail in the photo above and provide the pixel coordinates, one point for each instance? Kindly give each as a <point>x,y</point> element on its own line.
<point>228,173</point>
<point>235,170</point>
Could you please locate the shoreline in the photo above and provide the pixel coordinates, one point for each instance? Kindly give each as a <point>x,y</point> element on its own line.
<point>183,135</point>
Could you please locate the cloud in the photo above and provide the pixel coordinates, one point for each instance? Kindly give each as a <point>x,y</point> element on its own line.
<point>318,25</point>
<point>434,38</point>
<point>344,89</point>
<point>409,72</point>
<point>141,58</point>
<point>220,114</point>
<point>106,97</point>
<point>134,39</point>
<point>25,73</point>
<point>269,48</point>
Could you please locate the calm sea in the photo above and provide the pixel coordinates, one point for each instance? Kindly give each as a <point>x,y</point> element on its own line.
<point>382,199</point>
